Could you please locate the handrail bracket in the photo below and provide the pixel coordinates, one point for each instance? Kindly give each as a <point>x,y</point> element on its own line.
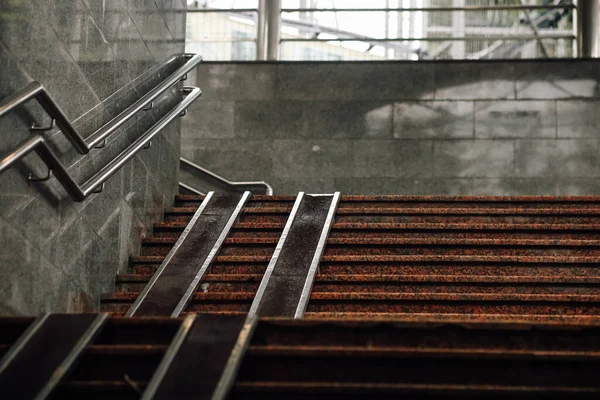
<point>43,128</point>
<point>43,179</point>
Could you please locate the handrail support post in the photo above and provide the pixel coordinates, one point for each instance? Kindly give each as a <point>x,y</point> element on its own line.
<point>35,128</point>
<point>32,178</point>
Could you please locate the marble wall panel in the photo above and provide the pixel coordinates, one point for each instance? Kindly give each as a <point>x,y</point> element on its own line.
<point>95,58</point>
<point>444,127</point>
<point>578,118</point>
<point>392,158</point>
<point>558,79</point>
<point>515,119</point>
<point>433,119</point>
<point>360,81</point>
<point>474,81</point>
<point>473,158</point>
<point>556,158</point>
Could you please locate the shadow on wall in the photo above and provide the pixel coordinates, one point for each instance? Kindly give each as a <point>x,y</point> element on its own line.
<point>444,127</point>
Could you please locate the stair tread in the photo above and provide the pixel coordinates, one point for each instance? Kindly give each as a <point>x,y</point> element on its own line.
<point>352,296</point>
<point>470,211</point>
<point>375,387</point>
<point>343,296</point>
<point>382,351</point>
<point>416,211</point>
<point>453,278</point>
<point>372,258</point>
<point>407,226</point>
<point>426,198</point>
<point>471,198</point>
<point>132,296</point>
<point>218,259</point>
<point>207,278</point>
<point>405,241</point>
<point>458,258</point>
<point>459,318</point>
<point>383,278</point>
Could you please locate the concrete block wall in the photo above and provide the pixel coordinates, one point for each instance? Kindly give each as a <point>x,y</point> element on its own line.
<point>484,128</point>
<point>95,58</point>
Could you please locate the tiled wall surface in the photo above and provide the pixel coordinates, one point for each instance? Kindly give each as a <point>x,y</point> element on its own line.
<point>485,128</point>
<point>95,58</point>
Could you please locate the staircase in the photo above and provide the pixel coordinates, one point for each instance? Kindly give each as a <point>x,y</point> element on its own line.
<point>416,296</point>
<point>467,258</point>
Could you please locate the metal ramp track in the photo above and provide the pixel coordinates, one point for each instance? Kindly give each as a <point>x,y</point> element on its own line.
<point>172,285</point>
<point>50,346</point>
<point>288,280</point>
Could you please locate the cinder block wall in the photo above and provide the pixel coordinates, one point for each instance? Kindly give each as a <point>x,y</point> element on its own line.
<point>484,128</point>
<point>94,58</point>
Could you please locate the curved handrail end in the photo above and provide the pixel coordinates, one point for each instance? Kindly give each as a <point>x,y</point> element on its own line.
<point>268,189</point>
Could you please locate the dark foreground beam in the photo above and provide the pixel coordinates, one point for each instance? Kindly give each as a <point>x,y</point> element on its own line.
<point>203,358</point>
<point>45,353</point>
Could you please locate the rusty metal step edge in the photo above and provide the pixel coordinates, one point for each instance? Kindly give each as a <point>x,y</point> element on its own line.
<point>515,320</point>
<point>383,297</point>
<point>387,278</point>
<point>183,211</point>
<point>404,226</point>
<point>437,198</point>
<point>400,351</point>
<point>367,387</point>
<point>241,278</point>
<point>168,242</point>
<point>397,258</point>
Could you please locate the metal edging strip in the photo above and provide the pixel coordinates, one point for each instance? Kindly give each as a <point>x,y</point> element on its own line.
<point>235,359</point>
<point>168,358</point>
<point>213,252</point>
<point>265,281</point>
<point>67,363</point>
<point>22,341</point>
<point>314,265</point>
<point>134,307</point>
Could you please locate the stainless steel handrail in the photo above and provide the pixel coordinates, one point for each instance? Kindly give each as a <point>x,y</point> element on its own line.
<point>189,189</point>
<point>36,91</point>
<point>219,180</point>
<point>96,182</point>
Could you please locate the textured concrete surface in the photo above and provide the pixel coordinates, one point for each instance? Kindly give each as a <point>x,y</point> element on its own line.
<point>484,128</point>
<point>94,58</point>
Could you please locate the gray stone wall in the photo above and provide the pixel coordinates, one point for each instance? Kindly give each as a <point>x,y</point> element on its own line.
<point>95,58</point>
<point>485,128</point>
